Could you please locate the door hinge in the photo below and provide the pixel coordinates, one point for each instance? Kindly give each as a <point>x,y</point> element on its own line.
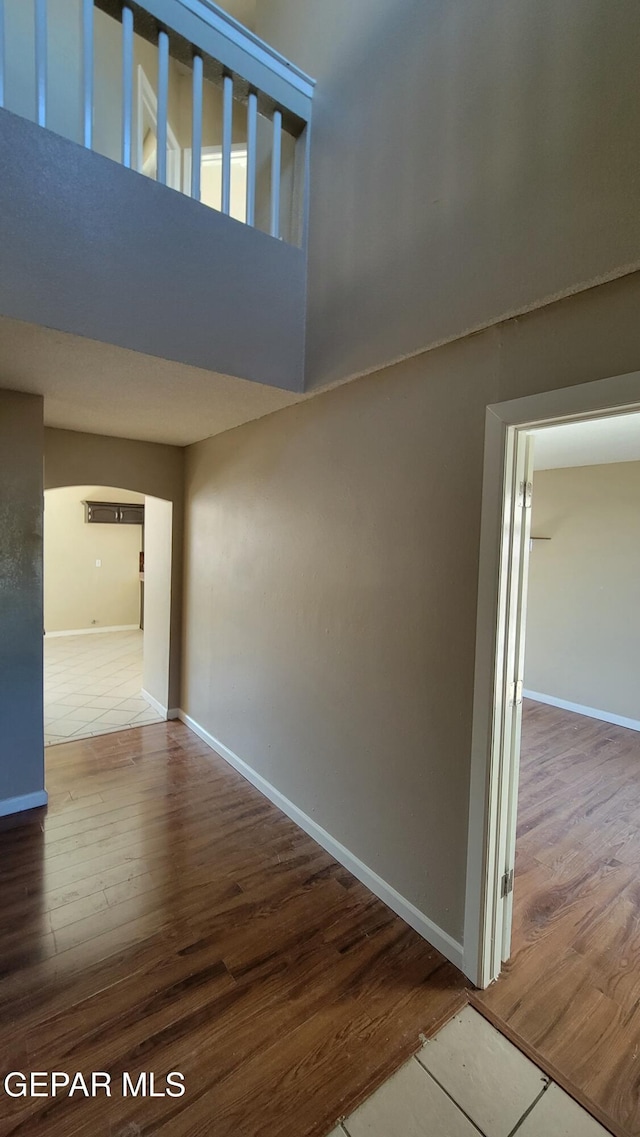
<point>506,884</point>
<point>516,692</point>
<point>525,493</point>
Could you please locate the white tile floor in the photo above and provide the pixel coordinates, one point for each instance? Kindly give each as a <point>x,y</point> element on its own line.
<point>92,685</point>
<point>468,1080</point>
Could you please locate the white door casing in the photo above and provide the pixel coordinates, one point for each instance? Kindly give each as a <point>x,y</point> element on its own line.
<point>211,177</point>
<point>516,586</point>
<point>147,119</point>
<point>500,639</point>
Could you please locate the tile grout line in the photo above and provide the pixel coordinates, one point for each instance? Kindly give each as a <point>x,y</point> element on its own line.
<point>530,1109</point>
<point>342,1125</point>
<point>450,1096</point>
<point>101,673</point>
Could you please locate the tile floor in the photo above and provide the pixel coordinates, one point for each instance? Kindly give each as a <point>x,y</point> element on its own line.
<point>92,685</point>
<point>467,1080</point>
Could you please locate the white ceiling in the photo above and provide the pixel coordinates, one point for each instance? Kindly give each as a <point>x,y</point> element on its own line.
<point>102,389</point>
<point>590,443</point>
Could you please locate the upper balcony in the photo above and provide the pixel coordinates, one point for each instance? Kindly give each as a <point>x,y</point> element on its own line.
<point>163,206</point>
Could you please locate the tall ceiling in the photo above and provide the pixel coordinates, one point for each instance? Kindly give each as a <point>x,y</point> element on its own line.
<point>103,389</point>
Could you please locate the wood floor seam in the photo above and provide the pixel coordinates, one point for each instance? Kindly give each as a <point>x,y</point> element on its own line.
<point>196,927</point>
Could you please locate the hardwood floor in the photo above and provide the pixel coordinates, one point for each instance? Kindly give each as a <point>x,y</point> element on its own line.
<point>571,991</point>
<point>164,916</point>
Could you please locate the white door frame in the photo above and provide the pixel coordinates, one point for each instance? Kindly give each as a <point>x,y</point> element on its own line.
<point>494,753</point>
<point>147,105</point>
<point>210,156</point>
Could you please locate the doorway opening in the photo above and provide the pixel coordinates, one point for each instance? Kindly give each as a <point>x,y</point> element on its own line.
<point>554,834</point>
<point>211,178</point>
<point>107,596</point>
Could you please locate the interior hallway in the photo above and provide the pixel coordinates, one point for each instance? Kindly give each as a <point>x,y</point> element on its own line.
<point>163,915</point>
<point>93,685</point>
<point>571,991</point>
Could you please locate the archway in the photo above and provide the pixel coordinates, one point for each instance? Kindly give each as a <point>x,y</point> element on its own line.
<point>107,610</point>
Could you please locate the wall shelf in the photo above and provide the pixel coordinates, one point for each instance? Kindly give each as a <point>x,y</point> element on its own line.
<point>113,513</point>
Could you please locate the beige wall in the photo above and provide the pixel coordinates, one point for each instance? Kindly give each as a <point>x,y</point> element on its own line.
<point>583,612</point>
<point>469,159</point>
<point>21,736</point>
<point>330,591</point>
<point>157,599</point>
<point>77,592</point>
<point>74,458</point>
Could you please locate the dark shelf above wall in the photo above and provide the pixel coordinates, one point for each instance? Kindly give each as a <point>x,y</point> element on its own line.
<point>114,512</point>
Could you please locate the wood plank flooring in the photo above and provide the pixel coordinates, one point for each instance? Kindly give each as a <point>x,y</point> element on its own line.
<point>571,991</point>
<point>164,916</point>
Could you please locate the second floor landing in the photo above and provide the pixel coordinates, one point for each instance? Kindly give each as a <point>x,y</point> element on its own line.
<point>154,184</point>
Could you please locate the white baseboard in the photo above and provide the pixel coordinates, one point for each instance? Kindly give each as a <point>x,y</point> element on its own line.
<point>429,931</point>
<point>92,631</point>
<point>25,801</point>
<point>166,712</point>
<point>158,707</point>
<point>578,709</point>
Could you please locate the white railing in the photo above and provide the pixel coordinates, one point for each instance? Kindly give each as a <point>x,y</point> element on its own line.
<point>174,89</point>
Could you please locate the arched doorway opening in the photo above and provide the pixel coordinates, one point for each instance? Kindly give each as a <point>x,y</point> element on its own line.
<point>107,610</point>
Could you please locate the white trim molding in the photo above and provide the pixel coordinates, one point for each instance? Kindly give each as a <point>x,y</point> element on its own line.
<point>147,111</point>
<point>494,765</point>
<point>92,631</point>
<point>439,939</point>
<point>240,51</point>
<point>239,35</point>
<point>24,801</point>
<point>155,704</point>
<point>579,709</point>
<point>166,712</point>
